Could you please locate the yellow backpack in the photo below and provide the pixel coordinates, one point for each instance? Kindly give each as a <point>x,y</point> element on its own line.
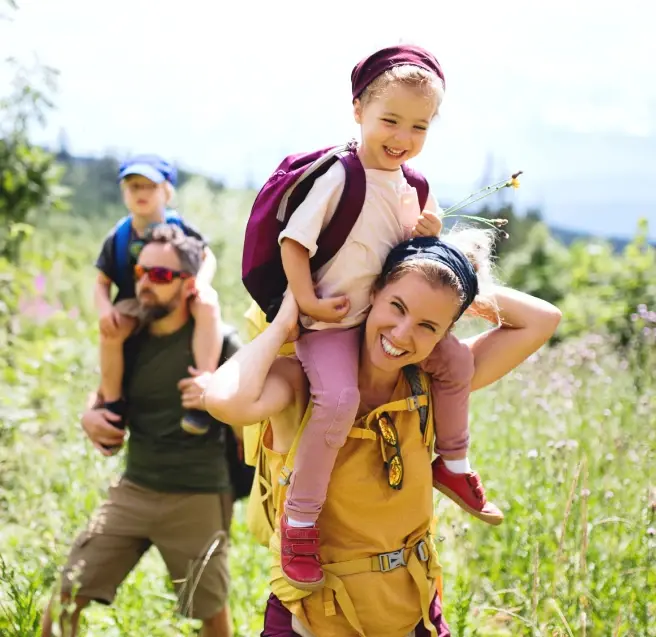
<point>260,508</point>
<point>260,511</point>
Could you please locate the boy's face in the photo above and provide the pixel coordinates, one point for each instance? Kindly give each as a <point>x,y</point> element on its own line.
<point>143,197</point>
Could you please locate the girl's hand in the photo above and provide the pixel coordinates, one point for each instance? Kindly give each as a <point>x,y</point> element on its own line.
<point>330,310</point>
<point>428,225</point>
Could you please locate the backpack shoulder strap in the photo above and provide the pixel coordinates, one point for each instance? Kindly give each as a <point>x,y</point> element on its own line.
<point>288,467</point>
<point>173,218</point>
<point>347,212</point>
<point>418,182</point>
<point>121,248</point>
<point>413,377</point>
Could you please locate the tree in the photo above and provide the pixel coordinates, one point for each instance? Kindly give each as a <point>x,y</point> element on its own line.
<point>30,181</point>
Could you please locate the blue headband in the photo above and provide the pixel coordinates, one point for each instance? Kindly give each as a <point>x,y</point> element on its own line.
<point>431,248</point>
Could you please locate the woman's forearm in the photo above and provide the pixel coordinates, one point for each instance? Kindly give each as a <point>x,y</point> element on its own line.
<point>525,324</point>
<point>237,394</point>
<point>517,309</point>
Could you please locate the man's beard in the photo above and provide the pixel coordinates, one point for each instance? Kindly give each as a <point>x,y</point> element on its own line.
<point>157,311</point>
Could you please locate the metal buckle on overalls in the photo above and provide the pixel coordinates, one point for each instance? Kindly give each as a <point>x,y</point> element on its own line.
<point>422,551</point>
<point>283,478</point>
<point>413,403</point>
<point>390,561</point>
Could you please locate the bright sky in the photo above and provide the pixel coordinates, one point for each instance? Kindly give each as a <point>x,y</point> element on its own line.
<point>229,88</point>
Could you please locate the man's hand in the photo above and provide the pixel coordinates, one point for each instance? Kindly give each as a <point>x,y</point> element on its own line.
<point>97,424</point>
<point>428,225</point>
<point>193,389</point>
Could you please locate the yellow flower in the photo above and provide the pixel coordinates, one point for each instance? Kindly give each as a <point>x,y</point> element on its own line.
<point>514,182</point>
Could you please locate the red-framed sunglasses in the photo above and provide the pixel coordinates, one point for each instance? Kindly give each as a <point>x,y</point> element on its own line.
<point>158,274</point>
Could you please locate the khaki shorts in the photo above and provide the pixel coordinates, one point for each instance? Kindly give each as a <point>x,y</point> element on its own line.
<point>183,527</point>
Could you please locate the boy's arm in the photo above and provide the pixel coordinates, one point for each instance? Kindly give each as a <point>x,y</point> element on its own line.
<point>101,294</point>
<point>207,269</point>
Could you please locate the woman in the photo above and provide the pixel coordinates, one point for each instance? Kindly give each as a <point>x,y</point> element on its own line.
<point>382,574</point>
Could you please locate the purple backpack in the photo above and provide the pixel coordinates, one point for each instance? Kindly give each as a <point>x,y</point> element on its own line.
<point>262,271</point>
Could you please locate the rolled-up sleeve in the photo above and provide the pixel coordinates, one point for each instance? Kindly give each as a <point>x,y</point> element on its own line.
<point>316,211</point>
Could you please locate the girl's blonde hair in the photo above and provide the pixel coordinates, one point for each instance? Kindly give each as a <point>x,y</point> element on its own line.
<point>476,244</point>
<point>410,76</point>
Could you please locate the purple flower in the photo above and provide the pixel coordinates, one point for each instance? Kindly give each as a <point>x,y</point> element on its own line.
<point>40,283</point>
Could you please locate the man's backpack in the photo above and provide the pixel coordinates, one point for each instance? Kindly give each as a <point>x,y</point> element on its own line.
<point>262,271</point>
<point>121,245</point>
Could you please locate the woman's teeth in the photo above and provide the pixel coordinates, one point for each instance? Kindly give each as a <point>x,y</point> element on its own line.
<point>389,349</point>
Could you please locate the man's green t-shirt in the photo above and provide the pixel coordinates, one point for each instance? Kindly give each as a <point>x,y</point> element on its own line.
<point>160,454</point>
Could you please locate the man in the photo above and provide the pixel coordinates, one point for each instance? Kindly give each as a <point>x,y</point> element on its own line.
<point>175,491</point>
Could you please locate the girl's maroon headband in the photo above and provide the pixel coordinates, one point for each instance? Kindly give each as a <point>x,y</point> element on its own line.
<point>366,71</point>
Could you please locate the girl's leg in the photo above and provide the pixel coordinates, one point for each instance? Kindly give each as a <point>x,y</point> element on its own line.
<point>330,361</point>
<point>451,366</point>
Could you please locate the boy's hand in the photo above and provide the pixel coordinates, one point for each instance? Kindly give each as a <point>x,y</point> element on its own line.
<point>109,323</point>
<point>428,225</point>
<point>205,296</point>
<point>193,388</point>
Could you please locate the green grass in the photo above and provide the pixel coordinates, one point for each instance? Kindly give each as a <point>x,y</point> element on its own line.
<point>565,446</point>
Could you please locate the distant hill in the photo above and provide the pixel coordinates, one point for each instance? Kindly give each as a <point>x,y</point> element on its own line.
<point>93,184</point>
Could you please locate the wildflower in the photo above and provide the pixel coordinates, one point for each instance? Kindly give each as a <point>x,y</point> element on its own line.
<point>651,531</point>
<point>609,495</point>
<point>652,499</point>
<point>532,453</point>
<point>513,182</point>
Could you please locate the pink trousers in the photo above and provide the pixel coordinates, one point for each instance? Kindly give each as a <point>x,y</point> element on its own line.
<point>330,361</point>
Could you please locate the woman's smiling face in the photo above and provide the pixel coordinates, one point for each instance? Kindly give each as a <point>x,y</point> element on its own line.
<point>407,319</point>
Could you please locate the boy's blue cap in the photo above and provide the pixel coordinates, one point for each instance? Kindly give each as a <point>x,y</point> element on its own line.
<point>150,166</point>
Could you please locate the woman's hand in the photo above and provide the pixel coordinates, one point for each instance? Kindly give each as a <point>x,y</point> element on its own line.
<point>287,317</point>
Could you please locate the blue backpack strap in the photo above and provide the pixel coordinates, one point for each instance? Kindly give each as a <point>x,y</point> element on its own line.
<point>174,218</point>
<point>418,182</point>
<point>122,232</point>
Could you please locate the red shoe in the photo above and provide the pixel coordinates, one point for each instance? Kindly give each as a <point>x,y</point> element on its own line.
<point>466,490</point>
<point>299,556</point>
